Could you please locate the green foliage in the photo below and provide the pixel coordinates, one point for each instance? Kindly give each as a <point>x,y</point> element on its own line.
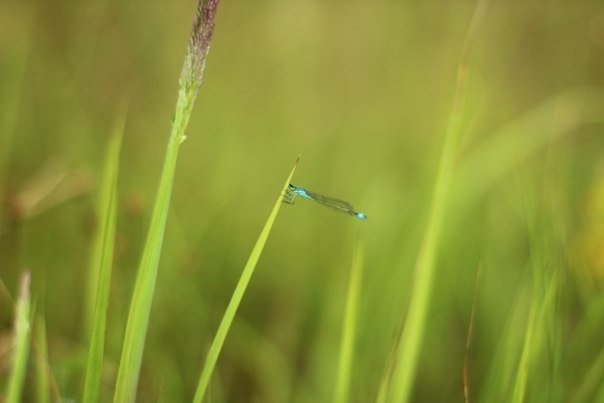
<point>21,342</point>
<point>144,287</point>
<point>512,181</point>
<point>237,296</point>
<point>42,368</point>
<point>101,266</point>
<point>342,385</point>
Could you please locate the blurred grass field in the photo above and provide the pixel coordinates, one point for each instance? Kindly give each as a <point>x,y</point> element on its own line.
<point>363,91</point>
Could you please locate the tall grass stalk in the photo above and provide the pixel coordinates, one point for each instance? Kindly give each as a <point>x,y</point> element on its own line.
<point>503,372</point>
<point>231,309</point>
<point>409,346</point>
<point>41,352</point>
<point>100,270</point>
<point>20,342</point>
<point>107,187</point>
<point>523,364</point>
<point>140,308</point>
<point>466,359</point>
<point>540,340</point>
<point>342,388</point>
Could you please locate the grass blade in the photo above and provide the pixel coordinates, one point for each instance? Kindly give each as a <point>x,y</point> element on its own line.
<point>410,342</point>
<point>466,360</point>
<point>21,343</point>
<point>593,379</point>
<point>231,310</point>
<point>41,351</point>
<point>140,308</point>
<point>503,373</point>
<point>100,272</point>
<point>522,372</point>
<point>349,328</point>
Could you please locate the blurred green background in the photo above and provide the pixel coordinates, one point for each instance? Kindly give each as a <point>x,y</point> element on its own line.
<point>362,90</point>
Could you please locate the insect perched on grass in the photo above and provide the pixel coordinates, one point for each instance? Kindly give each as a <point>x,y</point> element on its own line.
<point>336,204</point>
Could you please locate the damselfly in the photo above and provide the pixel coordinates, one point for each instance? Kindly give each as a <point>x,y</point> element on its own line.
<point>336,204</point>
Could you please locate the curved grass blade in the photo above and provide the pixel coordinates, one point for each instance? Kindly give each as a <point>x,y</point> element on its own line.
<point>522,371</point>
<point>100,272</point>
<point>21,343</point>
<point>593,379</point>
<point>41,352</point>
<point>410,342</point>
<point>231,309</point>
<point>466,358</point>
<point>341,394</point>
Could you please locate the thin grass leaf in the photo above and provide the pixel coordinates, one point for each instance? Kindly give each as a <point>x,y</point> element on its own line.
<point>41,352</point>
<point>405,365</point>
<point>499,382</point>
<point>593,379</point>
<point>100,271</point>
<point>410,341</point>
<point>21,343</point>
<point>231,309</point>
<point>144,288</point>
<point>342,388</point>
<point>522,372</point>
<point>593,384</point>
<point>544,360</point>
<point>539,360</point>
<point>466,359</point>
<point>107,187</point>
<point>383,390</point>
<point>140,308</point>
